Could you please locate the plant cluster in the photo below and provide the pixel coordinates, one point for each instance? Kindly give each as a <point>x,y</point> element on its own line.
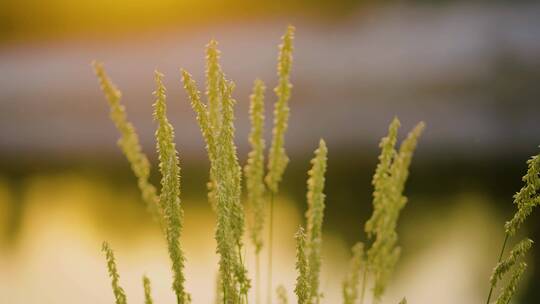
<point>371,263</point>
<point>526,199</point>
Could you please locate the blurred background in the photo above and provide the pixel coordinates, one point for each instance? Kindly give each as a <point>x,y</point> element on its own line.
<point>469,69</point>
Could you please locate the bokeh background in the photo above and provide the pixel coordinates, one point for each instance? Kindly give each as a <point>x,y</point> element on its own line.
<point>469,69</point>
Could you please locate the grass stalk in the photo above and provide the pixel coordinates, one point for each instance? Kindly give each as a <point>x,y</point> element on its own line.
<point>258,278</point>
<point>270,248</point>
<point>241,261</point>
<point>507,236</point>
<point>147,291</point>
<point>363,288</point>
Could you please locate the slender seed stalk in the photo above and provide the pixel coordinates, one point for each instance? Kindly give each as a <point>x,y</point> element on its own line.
<point>281,293</point>
<point>277,158</point>
<point>223,234</point>
<point>507,236</point>
<point>270,247</point>
<point>315,217</point>
<point>303,287</point>
<point>129,142</point>
<point>388,201</point>
<point>517,253</point>
<point>526,199</point>
<point>258,278</point>
<point>216,121</point>
<point>254,173</point>
<point>508,292</point>
<point>364,283</point>
<point>147,291</point>
<point>239,248</point>
<point>119,294</point>
<point>352,280</point>
<point>170,189</point>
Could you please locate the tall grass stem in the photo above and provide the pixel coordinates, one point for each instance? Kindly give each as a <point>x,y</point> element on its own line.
<point>500,258</point>
<point>270,248</point>
<point>258,278</point>
<point>363,290</point>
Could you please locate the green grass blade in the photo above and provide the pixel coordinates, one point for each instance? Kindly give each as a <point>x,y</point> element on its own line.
<point>119,294</point>
<point>129,142</point>
<point>277,158</point>
<point>147,291</point>
<point>170,188</point>
<point>315,216</point>
<point>254,169</point>
<point>352,280</point>
<point>303,288</point>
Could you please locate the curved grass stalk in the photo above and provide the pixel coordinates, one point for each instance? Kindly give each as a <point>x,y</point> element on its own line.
<point>147,291</point>
<point>388,200</point>
<point>526,200</point>
<point>225,173</point>
<point>352,280</point>
<point>254,172</point>
<point>302,289</point>
<point>315,217</point>
<point>170,189</point>
<point>129,142</point>
<point>281,293</point>
<point>277,158</point>
<point>508,292</point>
<point>119,294</point>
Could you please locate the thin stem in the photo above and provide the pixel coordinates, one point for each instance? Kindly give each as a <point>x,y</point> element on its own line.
<point>242,263</point>
<point>270,247</point>
<point>258,277</point>
<point>500,258</point>
<point>363,290</point>
<point>224,293</point>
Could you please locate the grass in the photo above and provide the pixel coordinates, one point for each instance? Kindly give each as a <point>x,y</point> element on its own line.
<point>372,264</point>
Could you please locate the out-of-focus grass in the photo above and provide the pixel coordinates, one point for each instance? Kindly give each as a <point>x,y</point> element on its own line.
<point>447,248</point>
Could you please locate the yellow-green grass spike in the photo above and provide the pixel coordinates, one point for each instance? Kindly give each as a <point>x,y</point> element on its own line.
<point>528,197</point>
<point>387,237</point>
<point>510,289</point>
<point>303,287</point>
<point>315,216</point>
<point>383,265</point>
<point>277,158</point>
<point>388,201</point>
<point>400,166</point>
<point>281,293</point>
<point>170,188</point>
<point>525,200</point>
<point>233,182</point>
<point>129,142</point>
<point>213,95</point>
<point>213,91</point>
<point>516,254</point>
<point>254,169</point>
<point>352,280</point>
<point>218,296</point>
<point>119,294</point>
<point>230,159</point>
<point>403,301</point>
<point>380,178</point>
<point>147,291</point>
<point>223,234</point>
<point>227,173</point>
<point>205,124</point>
